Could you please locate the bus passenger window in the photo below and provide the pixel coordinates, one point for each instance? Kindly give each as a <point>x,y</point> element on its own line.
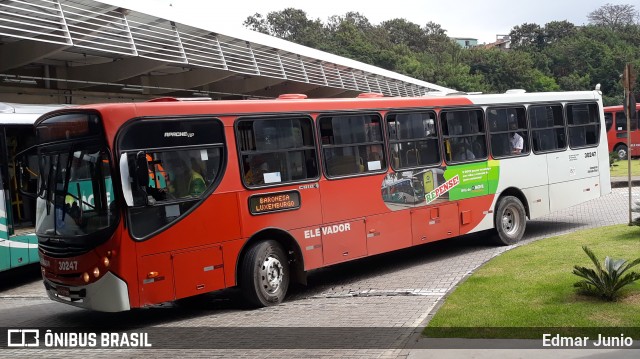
<point>352,144</point>
<point>276,151</point>
<point>584,124</point>
<point>508,131</point>
<point>413,139</point>
<point>464,134</point>
<point>547,128</point>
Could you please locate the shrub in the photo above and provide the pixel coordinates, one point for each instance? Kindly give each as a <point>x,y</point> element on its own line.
<point>613,157</point>
<point>605,282</point>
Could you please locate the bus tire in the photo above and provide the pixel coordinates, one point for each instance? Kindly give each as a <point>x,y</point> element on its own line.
<point>621,151</point>
<point>510,221</point>
<point>264,275</point>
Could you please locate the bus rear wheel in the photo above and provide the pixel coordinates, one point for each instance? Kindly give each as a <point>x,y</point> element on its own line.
<point>621,151</point>
<point>510,221</point>
<point>264,275</point>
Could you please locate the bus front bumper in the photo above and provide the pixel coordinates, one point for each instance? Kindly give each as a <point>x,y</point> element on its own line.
<point>108,294</point>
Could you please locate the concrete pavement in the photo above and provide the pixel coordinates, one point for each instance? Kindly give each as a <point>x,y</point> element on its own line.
<point>394,290</point>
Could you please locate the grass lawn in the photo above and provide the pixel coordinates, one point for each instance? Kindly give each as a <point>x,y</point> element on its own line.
<point>532,287</point>
<point>620,168</point>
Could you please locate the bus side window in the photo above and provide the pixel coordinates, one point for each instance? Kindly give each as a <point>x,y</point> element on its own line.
<point>584,124</point>
<point>465,132</point>
<point>352,144</point>
<point>276,150</point>
<point>547,127</point>
<point>608,120</point>
<point>413,141</point>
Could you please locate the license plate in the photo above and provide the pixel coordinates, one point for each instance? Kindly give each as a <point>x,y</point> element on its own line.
<point>63,291</point>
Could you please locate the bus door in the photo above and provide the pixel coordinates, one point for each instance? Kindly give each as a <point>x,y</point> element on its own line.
<point>169,171</point>
<point>5,253</point>
<point>354,162</point>
<point>574,175</point>
<point>14,249</point>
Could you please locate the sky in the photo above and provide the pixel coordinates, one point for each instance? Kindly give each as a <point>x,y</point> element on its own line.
<point>461,18</point>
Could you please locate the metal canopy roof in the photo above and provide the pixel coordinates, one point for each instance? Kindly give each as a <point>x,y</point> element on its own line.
<point>74,51</point>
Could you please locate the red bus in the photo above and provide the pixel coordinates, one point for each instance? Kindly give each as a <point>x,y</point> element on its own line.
<point>616,123</point>
<point>144,203</point>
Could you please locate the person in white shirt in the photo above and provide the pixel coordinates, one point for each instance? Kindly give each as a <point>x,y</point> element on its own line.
<point>516,141</point>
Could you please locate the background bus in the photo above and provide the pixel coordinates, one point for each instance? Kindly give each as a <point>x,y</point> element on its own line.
<point>616,125</point>
<point>192,197</point>
<point>18,243</point>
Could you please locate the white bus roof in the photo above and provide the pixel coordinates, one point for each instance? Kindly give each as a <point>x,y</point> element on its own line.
<point>515,97</point>
<point>23,114</point>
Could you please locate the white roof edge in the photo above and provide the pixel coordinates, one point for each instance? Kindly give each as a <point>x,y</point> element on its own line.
<point>27,109</point>
<point>241,33</point>
<point>485,99</point>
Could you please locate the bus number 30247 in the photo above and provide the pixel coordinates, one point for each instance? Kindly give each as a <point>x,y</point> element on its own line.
<point>68,265</point>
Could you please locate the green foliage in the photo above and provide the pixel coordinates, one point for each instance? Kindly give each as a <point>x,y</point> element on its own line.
<point>556,56</point>
<point>605,282</point>
<point>613,158</point>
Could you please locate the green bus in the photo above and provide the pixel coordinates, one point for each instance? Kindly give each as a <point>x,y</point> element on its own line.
<point>18,243</point>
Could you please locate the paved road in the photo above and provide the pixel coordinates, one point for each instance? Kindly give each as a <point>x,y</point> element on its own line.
<point>396,290</point>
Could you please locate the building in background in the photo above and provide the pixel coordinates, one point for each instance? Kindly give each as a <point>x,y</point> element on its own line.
<point>466,42</point>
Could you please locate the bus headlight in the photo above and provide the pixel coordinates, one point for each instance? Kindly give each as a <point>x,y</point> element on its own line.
<point>85,277</point>
<point>96,272</point>
<point>105,261</point>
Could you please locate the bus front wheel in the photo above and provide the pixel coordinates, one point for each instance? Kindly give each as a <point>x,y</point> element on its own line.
<point>510,221</point>
<point>621,151</point>
<point>264,275</point>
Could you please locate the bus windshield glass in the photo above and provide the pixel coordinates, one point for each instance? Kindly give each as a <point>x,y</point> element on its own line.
<point>76,193</point>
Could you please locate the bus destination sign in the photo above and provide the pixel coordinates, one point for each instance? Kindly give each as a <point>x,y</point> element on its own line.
<point>274,202</point>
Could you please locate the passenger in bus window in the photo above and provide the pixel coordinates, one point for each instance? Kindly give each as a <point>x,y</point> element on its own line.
<point>257,167</point>
<point>516,141</point>
<point>196,182</point>
<point>462,152</point>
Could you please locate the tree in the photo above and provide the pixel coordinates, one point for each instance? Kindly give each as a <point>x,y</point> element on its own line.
<point>529,37</point>
<point>504,70</point>
<point>401,31</point>
<point>257,23</point>
<point>437,41</point>
<point>555,31</point>
<point>289,24</point>
<point>614,16</point>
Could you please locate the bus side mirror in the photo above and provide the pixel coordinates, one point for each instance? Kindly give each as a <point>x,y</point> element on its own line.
<point>26,164</point>
<point>134,188</point>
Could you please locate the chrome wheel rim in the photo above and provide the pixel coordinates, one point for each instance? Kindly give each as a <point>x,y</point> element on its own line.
<point>511,220</point>
<point>622,154</point>
<point>271,274</point>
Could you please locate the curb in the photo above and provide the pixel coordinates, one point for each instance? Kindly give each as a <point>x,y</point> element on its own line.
<point>620,184</point>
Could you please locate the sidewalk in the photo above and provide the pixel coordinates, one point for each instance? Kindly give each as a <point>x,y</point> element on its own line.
<point>617,182</point>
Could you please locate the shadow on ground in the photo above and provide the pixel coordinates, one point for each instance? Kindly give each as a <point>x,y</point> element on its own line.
<point>230,299</point>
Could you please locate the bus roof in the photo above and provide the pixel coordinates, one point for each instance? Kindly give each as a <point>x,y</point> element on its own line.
<point>299,104</point>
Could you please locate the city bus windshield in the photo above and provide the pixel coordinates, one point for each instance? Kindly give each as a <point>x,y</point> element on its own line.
<point>75,194</point>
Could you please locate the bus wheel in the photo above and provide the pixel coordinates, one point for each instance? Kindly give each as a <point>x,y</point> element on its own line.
<point>510,221</point>
<point>621,151</point>
<point>264,275</point>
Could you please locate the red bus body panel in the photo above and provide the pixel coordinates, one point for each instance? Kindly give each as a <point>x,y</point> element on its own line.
<point>617,137</point>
